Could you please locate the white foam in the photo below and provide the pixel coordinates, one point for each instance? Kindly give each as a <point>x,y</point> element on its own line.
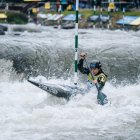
<point>26,112</point>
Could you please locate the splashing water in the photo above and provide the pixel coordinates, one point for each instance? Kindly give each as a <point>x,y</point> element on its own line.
<point>29,113</point>
<point>26,112</point>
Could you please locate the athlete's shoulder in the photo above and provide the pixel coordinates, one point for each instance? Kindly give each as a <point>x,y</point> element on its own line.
<point>102,77</point>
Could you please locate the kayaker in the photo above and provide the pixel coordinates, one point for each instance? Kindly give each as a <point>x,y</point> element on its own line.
<point>95,68</point>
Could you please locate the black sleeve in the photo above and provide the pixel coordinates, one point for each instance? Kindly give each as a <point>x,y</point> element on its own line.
<point>81,68</point>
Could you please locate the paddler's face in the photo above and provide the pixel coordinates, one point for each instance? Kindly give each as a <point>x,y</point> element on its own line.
<point>94,71</point>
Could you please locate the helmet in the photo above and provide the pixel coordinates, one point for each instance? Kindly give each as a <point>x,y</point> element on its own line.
<point>95,64</point>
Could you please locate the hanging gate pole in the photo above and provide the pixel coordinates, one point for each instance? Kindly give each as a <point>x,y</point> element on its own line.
<point>76,44</point>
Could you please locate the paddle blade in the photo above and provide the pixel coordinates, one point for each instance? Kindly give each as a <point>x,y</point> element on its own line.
<point>102,98</point>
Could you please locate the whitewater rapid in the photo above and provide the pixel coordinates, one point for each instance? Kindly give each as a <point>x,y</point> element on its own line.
<point>51,52</point>
<point>28,113</point>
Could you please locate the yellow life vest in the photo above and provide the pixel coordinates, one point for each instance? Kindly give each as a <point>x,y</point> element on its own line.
<point>101,78</point>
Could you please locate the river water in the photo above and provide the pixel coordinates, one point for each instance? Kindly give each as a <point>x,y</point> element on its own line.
<point>28,113</point>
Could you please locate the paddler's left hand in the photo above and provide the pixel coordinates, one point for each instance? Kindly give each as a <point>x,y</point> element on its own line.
<point>94,81</point>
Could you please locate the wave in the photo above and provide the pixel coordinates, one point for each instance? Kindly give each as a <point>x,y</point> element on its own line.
<point>51,53</point>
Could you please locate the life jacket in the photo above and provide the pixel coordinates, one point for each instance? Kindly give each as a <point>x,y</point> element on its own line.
<point>100,78</point>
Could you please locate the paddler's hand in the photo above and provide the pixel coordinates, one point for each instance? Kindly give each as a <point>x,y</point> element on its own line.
<point>83,55</point>
<point>94,81</point>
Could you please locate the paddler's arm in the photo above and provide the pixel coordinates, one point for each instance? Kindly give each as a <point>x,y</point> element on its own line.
<point>81,63</point>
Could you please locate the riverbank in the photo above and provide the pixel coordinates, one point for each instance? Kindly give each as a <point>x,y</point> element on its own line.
<point>84,22</point>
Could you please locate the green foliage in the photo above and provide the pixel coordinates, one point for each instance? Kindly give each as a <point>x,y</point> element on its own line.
<point>87,13</point>
<point>17,18</point>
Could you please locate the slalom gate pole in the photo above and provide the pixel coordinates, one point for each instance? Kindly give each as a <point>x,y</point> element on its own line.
<point>123,17</point>
<point>109,21</point>
<point>101,15</point>
<point>60,10</point>
<point>94,11</point>
<point>76,43</point>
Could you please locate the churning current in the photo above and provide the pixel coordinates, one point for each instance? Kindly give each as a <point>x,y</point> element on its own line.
<point>28,113</point>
